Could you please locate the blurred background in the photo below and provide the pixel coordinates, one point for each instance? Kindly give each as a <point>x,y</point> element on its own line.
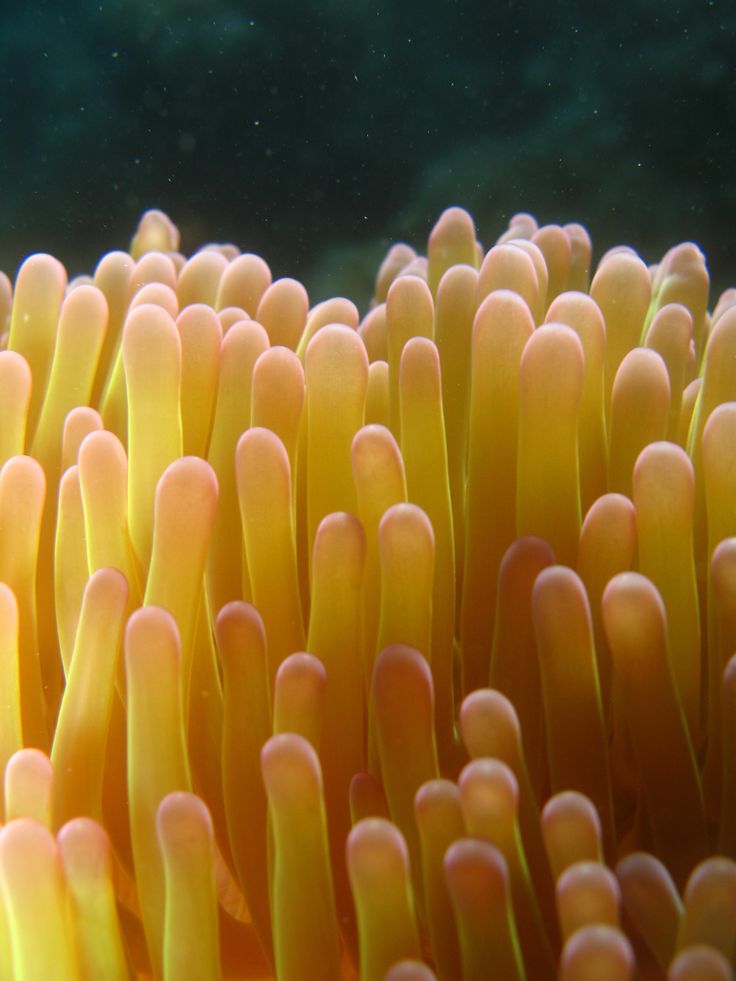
<point>317,134</point>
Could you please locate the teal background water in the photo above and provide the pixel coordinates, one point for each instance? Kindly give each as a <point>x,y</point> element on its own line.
<point>316,134</point>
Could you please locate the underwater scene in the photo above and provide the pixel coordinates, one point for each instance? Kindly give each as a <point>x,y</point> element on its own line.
<point>367,491</point>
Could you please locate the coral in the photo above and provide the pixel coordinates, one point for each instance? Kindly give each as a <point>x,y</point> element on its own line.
<point>397,648</point>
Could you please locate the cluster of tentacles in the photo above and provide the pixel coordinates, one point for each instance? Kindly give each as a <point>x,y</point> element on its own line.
<point>395,648</point>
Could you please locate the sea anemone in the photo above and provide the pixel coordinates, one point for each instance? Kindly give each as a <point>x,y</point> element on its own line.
<point>395,649</point>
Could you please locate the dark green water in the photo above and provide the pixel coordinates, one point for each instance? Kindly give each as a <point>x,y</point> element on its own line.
<point>315,134</point>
